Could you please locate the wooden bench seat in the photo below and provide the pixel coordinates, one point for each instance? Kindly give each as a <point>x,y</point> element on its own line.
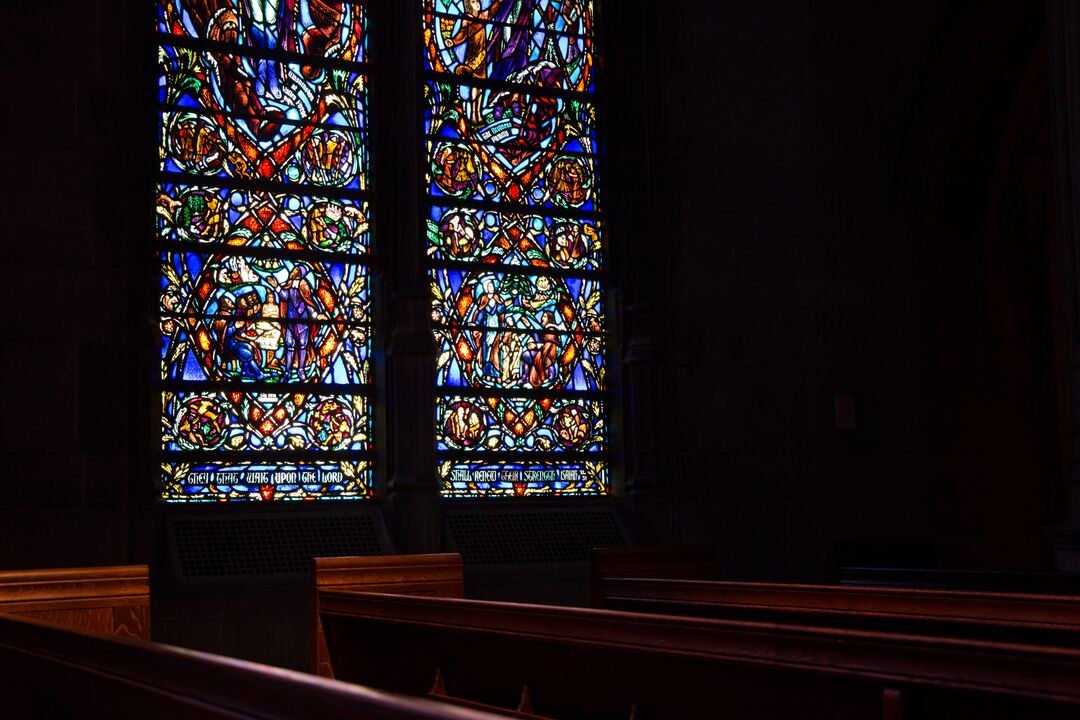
<point>588,663</point>
<point>47,671</point>
<point>438,575</point>
<point>1008,617</point>
<point>107,600</point>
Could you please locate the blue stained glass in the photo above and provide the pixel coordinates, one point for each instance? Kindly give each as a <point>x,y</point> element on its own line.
<point>508,359</point>
<point>262,107</point>
<point>195,79</point>
<point>519,119</point>
<point>470,46</point>
<point>246,421</point>
<point>523,479</point>
<point>231,317</point>
<point>264,481</point>
<point>550,180</point>
<point>193,143</point>
<point>488,236</point>
<point>195,283</point>
<point>485,299</point>
<point>327,30</point>
<point>253,218</point>
<point>525,425</point>
<point>512,183</point>
<point>564,16</point>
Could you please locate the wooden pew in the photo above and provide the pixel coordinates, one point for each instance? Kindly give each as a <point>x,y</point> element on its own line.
<point>687,562</point>
<point>1007,617</point>
<point>47,671</point>
<point>106,600</point>
<point>438,575</point>
<point>986,581</point>
<point>587,663</point>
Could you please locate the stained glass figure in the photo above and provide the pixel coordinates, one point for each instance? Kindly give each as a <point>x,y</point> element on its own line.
<point>264,232</point>
<point>514,240</point>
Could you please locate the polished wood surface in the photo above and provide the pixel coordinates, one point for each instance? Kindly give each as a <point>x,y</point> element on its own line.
<point>51,672</point>
<point>979,580</point>
<point>588,663</point>
<point>111,600</point>
<point>1010,617</point>
<point>690,562</point>
<point>438,575</point>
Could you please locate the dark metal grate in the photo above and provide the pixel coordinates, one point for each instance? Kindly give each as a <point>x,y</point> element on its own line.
<point>539,536</point>
<point>245,546</point>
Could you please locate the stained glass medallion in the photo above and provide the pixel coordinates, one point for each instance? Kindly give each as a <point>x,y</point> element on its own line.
<point>514,237</point>
<point>264,233</point>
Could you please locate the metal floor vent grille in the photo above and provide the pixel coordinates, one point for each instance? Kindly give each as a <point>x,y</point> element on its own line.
<point>533,536</point>
<point>231,547</point>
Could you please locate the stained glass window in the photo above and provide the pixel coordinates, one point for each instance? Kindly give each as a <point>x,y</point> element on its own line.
<point>264,235</point>
<point>514,242</point>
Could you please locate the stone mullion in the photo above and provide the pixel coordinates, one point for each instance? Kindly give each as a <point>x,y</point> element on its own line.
<point>407,381</point>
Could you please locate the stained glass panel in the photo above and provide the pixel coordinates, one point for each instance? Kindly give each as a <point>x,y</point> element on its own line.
<point>242,421</point>
<point>250,350</point>
<point>324,30</point>
<point>314,480</point>
<point>514,239</point>
<point>199,283</point>
<point>264,232</point>
<point>261,219</point>
<point>563,16</point>
<point>505,42</point>
<point>195,145</point>
<point>523,479</point>
<point>192,79</point>
<point>522,120</point>
<point>493,237</point>
<point>483,299</point>
<point>215,123</point>
<point>520,424</point>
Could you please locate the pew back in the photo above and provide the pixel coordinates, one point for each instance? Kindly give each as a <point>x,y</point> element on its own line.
<point>105,600</point>
<point>1009,617</point>
<point>437,575</point>
<point>979,580</point>
<point>586,663</point>
<point>51,672</point>
<point>689,562</point>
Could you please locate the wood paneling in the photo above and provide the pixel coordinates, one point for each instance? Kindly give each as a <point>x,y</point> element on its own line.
<point>107,600</point>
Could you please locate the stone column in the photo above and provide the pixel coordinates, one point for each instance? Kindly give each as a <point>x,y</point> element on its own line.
<point>637,268</point>
<point>407,381</point>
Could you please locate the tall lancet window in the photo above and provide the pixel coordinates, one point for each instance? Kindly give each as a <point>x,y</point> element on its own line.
<point>263,229</point>
<point>514,235</point>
